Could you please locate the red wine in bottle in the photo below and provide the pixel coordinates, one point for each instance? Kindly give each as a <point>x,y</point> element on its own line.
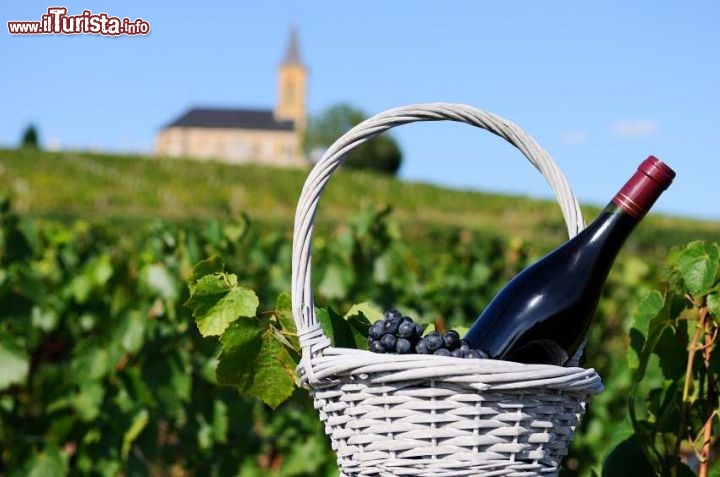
<point>543,314</point>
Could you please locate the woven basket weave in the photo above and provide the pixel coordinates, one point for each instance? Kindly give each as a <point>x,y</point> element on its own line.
<point>425,415</point>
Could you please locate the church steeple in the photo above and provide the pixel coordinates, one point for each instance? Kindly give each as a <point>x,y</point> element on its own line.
<point>291,85</point>
<point>292,54</point>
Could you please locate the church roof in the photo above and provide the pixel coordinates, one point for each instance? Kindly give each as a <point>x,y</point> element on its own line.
<point>232,118</point>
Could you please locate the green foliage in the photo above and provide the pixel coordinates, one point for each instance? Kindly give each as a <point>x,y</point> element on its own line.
<point>259,353</point>
<point>218,301</point>
<point>30,138</point>
<point>627,459</point>
<point>380,154</point>
<point>15,364</point>
<point>106,372</point>
<point>103,372</point>
<point>676,370</point>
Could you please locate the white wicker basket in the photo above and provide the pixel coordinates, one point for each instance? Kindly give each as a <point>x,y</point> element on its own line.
<point>426,415</point>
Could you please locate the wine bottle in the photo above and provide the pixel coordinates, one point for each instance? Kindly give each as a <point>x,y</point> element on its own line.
<point>543,314</point>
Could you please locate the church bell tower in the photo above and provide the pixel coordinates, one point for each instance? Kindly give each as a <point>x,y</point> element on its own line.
<point>292,77</point>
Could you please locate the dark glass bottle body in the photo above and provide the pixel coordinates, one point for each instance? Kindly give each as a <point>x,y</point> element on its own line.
<point>543,314</point>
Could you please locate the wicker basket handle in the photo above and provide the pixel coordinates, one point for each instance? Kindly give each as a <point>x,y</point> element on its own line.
<point>312,337</point>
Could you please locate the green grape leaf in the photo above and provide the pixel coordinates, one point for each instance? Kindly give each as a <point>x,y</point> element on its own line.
<point>647,309</point>
<point>662,404</point>
<point>48,463</point>
<point>220,421</point>
<point>204,433</point>
<point>306,457</point>
<point>360,317</point>
<point>91,363</point>
<point>336,328</point>
<point>665,335</point>
<point>95,275</point>
<point>131,332</point>
<point>234,231</point>
<point>713,304</point>
<point>637,342</point>
<point>211,266</point>
<point>240,346</point>
<point>283,311</point>
<point>461,329</point>
<point>139,422</point>
<point>217,301</point>
<point>274,379</point>
<point>351,330</point>
<point>627,458</point>
<point>158,281</point>
<point>684,471</point>
<point>698,266</point>
<point>287,332</point>
<point>171,376</point>
<point>335,282</point>
<point>367,308</point>
<point>256,362</point>
<point>15,364</point>
<point>671,351</point>
<point>644,321</point>
<point>45,319</point>
<point>88,401</point>
<point>359,326</point>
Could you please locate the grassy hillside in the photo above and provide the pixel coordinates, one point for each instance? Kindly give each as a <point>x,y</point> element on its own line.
<point>71,185</point>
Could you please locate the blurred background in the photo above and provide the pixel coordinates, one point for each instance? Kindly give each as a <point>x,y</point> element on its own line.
<point>127,159</point>
<point>600,86</point>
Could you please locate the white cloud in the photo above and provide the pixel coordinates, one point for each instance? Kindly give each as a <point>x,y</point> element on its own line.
<point>574,136</point>
<point>636,128</point>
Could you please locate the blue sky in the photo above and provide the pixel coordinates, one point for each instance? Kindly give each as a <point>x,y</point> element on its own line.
<point>600,85</point>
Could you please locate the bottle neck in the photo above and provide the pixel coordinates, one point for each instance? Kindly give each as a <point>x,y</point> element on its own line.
<point>610,229</point>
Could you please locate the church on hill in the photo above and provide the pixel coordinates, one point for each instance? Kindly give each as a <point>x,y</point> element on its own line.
<point>236,136</point>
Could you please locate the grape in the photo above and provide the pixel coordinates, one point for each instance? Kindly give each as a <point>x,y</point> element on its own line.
<point>434,341</point>
<point>388,342</point>
<point>421,347</point>
<point>390,325</point>
<point>407,328</point>
<point>376,347</point>
<point>476,354</point>
<point>403,346</point>
<point>392,314</point>
<point>400,334</point>
<point>375,331</point>
<point>451,339</point>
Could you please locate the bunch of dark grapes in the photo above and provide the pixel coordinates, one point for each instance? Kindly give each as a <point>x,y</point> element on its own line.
<point>400,334</point>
